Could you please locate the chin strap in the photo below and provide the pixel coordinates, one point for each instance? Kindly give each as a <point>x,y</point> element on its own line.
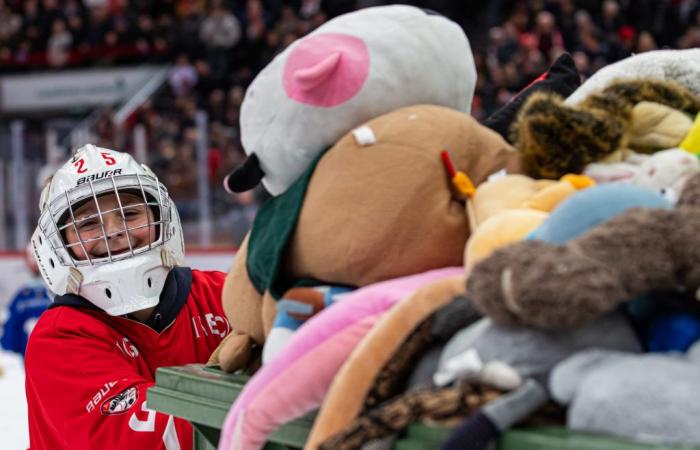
<point>167,258</point>
<point>75,279</point>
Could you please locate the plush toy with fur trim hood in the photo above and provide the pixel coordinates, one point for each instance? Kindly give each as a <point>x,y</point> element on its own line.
<point>555,286</point>
<point>556,138</point>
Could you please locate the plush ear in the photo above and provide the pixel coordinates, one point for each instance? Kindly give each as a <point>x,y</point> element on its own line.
<point>561,78</point>
<point>245,177</point>
<point>612,172</point>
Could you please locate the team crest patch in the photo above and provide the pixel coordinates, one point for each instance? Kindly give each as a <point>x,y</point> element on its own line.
<point>120,403</point>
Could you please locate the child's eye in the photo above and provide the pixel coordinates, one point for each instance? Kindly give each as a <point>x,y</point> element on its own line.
<point>131,213</point>
<point>87,225</point>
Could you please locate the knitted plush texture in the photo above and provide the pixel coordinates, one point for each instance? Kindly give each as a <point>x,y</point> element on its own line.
<point>560,286</point>
<point>556,139</point>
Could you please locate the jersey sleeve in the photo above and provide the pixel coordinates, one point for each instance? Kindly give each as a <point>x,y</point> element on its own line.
<point>208,286</point>
<point>85,391</point>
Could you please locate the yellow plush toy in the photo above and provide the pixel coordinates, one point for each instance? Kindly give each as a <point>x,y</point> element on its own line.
<point>505,209</point>
<point>691,143</point>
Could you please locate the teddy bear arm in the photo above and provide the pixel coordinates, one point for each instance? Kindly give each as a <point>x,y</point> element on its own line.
<point>544,286</point>
<point>647,249</point>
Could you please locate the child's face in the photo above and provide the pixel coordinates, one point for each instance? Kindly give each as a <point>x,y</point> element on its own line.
<point>88,229</point>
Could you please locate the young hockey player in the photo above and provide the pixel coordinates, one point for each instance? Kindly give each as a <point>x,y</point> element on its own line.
<point>109,244</point>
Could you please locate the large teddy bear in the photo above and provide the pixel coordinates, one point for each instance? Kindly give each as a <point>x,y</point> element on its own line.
<point>353,68</point>
<point>378,205</point>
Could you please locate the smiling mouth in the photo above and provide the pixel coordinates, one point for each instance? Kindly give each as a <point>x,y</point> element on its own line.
<point>115,252</point>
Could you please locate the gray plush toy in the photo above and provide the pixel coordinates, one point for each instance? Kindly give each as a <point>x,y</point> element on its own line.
<point>518,359</point>
<point>654,397</point>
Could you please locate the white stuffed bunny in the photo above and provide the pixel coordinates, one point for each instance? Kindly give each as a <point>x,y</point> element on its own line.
<point>664,172</point>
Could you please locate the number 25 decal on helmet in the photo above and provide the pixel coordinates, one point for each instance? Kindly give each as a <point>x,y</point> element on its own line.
<point>108,231</point>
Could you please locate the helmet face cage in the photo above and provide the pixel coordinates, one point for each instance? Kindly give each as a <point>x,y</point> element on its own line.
<point>60,216</point>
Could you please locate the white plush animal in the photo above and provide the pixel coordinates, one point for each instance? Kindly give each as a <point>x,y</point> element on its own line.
<point>351,69</point>
<point>681,66</point>
<point>664,172</point>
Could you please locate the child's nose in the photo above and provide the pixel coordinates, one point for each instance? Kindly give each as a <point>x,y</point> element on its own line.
<point>114,225</point>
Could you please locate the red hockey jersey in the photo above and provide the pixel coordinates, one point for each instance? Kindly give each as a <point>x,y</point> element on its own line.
<point>87,372</point>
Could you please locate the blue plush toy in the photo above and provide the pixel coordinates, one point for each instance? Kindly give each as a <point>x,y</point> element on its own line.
<point>587,208</point>
<point>294,308</point>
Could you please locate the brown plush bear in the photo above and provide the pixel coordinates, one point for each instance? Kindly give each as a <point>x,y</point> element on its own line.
<point>561,286</point>
<point>378,205</point>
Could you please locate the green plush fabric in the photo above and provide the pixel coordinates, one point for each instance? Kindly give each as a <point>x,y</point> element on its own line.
<point>272,229</point>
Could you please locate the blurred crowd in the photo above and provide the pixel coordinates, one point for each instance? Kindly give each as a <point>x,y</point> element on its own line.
<point>216,47</point>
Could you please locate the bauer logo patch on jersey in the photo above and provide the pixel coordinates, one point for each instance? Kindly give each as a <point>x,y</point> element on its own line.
<point>121,402</point>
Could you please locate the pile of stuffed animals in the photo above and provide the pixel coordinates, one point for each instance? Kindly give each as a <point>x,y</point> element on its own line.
<point>416,265</point>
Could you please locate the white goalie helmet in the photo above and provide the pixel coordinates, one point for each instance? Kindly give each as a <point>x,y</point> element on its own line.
<point>113,250</point>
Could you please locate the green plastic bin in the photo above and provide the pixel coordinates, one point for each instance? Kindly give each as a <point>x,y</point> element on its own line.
<point>203,395</point>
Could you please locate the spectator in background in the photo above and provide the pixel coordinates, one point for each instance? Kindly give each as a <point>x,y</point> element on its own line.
<point>219,32</point>
<point>646,42</point>
<point>181,179</point>
<point>216,54</point>
<point>28,303</point>
<point>144,34</point>
<point>59,45</point>
<point>183,76</point>
<point>548,39</point>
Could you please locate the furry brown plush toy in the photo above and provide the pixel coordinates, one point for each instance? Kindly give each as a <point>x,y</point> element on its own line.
<point>556,139</point>
<point>560,286</point>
